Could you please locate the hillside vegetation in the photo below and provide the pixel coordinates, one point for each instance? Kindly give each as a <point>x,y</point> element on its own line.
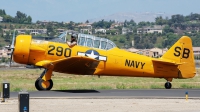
<point>174,27</point>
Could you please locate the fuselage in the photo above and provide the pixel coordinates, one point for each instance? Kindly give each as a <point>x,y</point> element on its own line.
<point>115,61</point>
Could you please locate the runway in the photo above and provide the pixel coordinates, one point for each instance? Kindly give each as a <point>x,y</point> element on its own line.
<point>151,100</point>
<point>115,94</point>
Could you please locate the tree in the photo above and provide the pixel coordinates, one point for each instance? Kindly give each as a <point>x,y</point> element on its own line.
<point>125,23</point>
<point>177,18</point>
<point>27,32</point>
<point>154,39</point>
<point>1,30</point>
<point>87,21</point>
<point>7,18</point>
<point>128,37</point>
<point>29,19</point>
<point>121,40</point>
<point>141,24</point>
<point>7,36</point>
<point>167,29</point>
<point>4,12</point>
<point>170,40</point>
<point>132,23</point>
<point>70,25</point>
<point>102,24</point>
<point>160,21</point>
<point>22,18</point>
<point>49,29</point>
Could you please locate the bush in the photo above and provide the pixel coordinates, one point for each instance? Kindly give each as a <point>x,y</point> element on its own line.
<point>121,40</point>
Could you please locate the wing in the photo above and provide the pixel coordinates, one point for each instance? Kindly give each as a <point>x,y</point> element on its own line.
<point>73,65</point>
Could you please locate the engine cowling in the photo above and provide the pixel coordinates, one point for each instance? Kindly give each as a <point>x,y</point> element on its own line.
<point>22,49</point>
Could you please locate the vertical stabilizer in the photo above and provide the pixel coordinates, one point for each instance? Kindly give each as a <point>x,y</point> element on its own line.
<point>182,52</point>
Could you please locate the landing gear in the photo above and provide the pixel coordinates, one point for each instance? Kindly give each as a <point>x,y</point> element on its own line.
<point>41,84</point>
<point>44,82</point>
<point>168,85</point>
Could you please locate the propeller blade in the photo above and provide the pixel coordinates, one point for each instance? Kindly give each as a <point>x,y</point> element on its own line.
<point>12,47</point>
<point>10,58</point>
<point>13,41</point>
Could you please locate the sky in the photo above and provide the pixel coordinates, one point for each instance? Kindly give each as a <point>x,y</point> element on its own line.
<point>82,10</point>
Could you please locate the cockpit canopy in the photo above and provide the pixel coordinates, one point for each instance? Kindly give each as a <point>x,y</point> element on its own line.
<point>95,42</point>
<point>88,41</point>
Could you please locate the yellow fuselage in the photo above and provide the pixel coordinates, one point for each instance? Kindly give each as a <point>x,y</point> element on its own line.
<point>118,63</point>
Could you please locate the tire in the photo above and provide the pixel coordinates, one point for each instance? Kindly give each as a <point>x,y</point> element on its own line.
<point>36,84</point>
<point>41,85</point>
<point>168,85</point>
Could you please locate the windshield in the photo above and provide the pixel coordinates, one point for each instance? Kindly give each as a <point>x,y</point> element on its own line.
<point>95,42</point>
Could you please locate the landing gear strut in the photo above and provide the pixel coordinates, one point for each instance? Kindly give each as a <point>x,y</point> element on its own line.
<point>168,85</point>
<point>44,82</point>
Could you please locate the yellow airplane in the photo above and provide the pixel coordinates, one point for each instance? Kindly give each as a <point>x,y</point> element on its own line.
<point>99,56</point>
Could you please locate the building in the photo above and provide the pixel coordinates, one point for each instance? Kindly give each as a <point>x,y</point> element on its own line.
<point>153,29</point>
<point>126,30</point>
<point>88,31</point>
<point>43,22</point>
<point>32,31</point>
<point>196,51</point>
<point>86,26</point>
<point>71,32</point>
<point>154,52</point>
<point>157,52</point>
<point>134,50</point>
<point>60,31</point>
<point>4,53</point>
<point>116,24</point>
<point>100,30</point>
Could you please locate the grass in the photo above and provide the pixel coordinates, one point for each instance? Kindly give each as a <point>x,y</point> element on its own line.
<point>24,79</point>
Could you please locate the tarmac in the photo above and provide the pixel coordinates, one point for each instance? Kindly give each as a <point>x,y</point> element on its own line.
<point>103,105</point>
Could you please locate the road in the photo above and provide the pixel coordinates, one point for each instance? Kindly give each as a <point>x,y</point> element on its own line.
<point>125,94</point>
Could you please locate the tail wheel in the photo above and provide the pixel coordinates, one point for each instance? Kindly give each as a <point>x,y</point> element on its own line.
<point>168,85</point>
<point>40,84</point>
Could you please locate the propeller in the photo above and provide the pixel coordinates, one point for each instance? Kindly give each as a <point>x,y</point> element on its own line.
<point>12,47</point>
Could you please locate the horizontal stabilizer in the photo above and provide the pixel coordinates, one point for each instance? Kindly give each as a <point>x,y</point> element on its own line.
<point>166,62</point>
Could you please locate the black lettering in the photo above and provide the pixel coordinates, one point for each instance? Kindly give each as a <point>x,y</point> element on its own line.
<point>142,65</point>
<point>127,62</point>
<point>177,50</point>
<point>186,53</point>
<point>67,52</point>
<point>52,47</point>
<point>137,64</point>
<point>132,63</point>
<point>59,51</point>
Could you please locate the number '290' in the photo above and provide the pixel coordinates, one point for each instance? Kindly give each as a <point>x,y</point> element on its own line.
<point>60,51</point>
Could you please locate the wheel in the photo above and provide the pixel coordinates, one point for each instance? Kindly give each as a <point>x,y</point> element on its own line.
<point>40,84</point>
<point>168,85</point>
<point>36,84</point>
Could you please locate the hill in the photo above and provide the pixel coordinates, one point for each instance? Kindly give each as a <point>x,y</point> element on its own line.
<point>137,17</point>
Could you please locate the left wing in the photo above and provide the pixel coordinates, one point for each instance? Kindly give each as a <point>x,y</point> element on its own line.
<point>73,65</point>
